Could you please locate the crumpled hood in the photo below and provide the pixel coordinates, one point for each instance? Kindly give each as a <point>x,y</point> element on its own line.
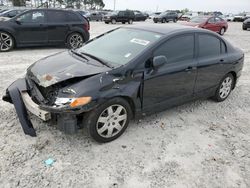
<point>61,67</point>
<point>3,19</point>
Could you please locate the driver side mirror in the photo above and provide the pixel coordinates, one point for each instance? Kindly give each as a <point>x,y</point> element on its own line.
<point>158,61</point>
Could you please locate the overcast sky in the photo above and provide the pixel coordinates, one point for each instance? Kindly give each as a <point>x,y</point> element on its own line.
<point>226,6</point>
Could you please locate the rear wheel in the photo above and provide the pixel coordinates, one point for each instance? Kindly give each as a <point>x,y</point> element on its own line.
<point>130,21</point>
<point>75,40</point>
<point>225,88</point>
<point>222,31</point>
<point>6,42</point>
<point>109,120</point>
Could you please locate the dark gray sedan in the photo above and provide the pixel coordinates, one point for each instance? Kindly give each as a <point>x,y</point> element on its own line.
<point>123,74</point>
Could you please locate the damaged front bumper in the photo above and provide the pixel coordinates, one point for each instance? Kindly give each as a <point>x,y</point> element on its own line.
<point>66,118</point>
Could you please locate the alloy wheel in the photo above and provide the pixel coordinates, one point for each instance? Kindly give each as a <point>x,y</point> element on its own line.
<point>111,121</point>
<point>225,87</point>
<point>76,41</point>
<point>6,42</point>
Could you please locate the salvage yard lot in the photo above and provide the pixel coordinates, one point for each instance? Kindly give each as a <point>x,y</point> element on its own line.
<point>199,144</point>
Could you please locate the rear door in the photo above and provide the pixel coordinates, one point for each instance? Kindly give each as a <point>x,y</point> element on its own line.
<point>31,27</point>
<point>212,62</point>
<point>58,26</point>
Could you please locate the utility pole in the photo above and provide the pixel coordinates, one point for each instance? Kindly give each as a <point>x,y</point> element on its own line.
<point>114,4</point>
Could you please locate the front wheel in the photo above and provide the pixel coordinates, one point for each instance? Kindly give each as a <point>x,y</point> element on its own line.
<point>75,40</point>
<point>6,42</point>
<point>130,21</point>
<point>225,88</point>
<point>113,21</point>
<point>163,20</point>
<point>174,20</point>
<point>109,120</point>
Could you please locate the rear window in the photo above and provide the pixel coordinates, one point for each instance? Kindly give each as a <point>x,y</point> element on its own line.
<point>209,46</point>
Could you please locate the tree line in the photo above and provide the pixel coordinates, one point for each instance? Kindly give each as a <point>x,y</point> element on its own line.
<point>90,4</point>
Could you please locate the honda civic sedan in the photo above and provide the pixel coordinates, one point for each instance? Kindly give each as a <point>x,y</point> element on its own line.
<point>113,79</point>
<point>44,27</point>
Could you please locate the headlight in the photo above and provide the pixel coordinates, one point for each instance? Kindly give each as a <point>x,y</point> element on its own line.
<point>72,102</point>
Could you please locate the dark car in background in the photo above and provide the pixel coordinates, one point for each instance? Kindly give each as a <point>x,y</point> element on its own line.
<point>246,24</point>
<point>94,16</point>
<point>123,74</point>
<point>126,16</point>
<point>166,17</point>
<point>11,13</point>
<point>139,16</point>
<point>213,23</point>
<point>43,27</point>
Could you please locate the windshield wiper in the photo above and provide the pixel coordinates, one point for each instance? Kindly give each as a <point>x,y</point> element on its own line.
<point>78,54</point>
<point>98,59</point>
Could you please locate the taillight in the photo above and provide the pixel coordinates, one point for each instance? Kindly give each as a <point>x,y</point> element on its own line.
<point>86,26</point>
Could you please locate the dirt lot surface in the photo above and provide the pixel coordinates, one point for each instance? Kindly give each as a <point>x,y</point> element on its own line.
<point>199,144</point>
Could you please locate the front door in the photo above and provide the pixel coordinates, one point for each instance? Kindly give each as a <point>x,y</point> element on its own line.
<point>174,81</point>
<point>31,28</point>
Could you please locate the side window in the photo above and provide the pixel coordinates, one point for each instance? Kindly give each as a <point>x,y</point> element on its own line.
<point>211,20</point>
<point>217,19</point>
<point>121,13</point>
<point>32,17</point>
<point>72,17</point>
<point>209,46</point>
<point>57,16</point>
<point>177,49</point>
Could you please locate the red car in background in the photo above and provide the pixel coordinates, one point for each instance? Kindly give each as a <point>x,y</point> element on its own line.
<point>213,23</point>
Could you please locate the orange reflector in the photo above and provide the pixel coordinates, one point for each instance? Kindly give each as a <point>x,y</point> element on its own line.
<point>80,101</point>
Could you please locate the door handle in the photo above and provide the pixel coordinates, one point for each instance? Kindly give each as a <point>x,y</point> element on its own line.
<point>188,69</point>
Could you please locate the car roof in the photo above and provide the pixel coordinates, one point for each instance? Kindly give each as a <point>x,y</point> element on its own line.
<point>164,29</point>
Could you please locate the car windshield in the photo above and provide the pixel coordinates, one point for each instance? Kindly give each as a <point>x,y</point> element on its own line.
<point>198,19</point>
<point>120,46</point>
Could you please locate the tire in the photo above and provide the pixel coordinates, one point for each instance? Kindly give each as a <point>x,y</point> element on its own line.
<point>102,123</point>
<point>222,31</point>
<point>244,28</point>
<point>123,22</point>
<point>225,87</point>
<point>75,40</point>
<point>155,22</point>
<point>174,20</point>
<point>106,22</point>
<point>6,42</point>
<point>130,21</point>
<point>163,20</point>
<point>113,21</point>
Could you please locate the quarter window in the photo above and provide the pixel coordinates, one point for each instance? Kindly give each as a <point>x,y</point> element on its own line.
<point>57,16</point>
<point>209,46</point>
<point>177,49</point>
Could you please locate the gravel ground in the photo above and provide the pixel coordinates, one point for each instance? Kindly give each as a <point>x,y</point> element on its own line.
<point>199,144</point>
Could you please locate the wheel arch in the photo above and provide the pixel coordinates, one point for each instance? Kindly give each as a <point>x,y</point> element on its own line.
<point>235,77</point>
